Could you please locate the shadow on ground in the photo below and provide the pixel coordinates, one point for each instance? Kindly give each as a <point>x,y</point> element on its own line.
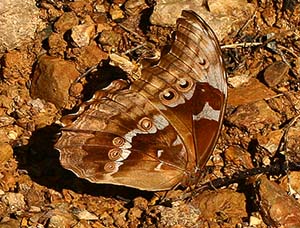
<point>41,161</point>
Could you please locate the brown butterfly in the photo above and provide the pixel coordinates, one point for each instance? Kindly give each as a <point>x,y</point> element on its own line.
<point>158,132</point>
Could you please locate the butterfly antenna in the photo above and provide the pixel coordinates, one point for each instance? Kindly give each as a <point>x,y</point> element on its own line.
<point>274,169</point>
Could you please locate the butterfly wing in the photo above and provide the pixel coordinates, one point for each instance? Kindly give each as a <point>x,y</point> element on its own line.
<point>122,139</point>
<point>148,136</point>
<point>190,80</point>
<point>210,96</point>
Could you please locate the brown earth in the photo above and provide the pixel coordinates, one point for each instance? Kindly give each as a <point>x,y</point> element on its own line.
<point>77,38</point>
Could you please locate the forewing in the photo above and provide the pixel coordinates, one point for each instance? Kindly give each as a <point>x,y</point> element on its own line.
<point>193,73</point>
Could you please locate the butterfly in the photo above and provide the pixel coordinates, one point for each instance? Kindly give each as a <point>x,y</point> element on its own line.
<point>159,132</point>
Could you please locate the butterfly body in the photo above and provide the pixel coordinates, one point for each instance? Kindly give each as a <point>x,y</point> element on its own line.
<point>160,131</point>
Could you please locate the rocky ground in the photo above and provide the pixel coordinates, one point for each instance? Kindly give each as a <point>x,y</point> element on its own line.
<point>47,45</point>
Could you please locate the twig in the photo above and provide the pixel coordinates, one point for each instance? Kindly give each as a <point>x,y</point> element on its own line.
<point>246,24</point>
<point>134,48</point>
<point>85,73</point>
<point>130,31</point>
<point>287,50</point>
<point>245,44</point>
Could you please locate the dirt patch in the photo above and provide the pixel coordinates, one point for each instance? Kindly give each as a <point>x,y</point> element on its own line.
<point>40,83</point>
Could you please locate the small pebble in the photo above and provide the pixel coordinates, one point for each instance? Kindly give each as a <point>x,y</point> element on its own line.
<point>82,34</point>
<point>275,73</point>
<point>6,152</point>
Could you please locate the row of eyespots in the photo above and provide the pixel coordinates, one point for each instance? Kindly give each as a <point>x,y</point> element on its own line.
<point>171,95</point>
<point>117,154</point>
<point>114,154</point>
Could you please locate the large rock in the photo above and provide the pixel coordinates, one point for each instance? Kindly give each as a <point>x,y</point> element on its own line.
<point>52,79</point>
